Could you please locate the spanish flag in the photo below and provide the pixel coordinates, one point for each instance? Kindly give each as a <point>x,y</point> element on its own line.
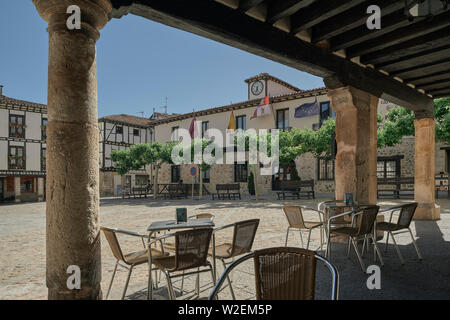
<point>232,122</point>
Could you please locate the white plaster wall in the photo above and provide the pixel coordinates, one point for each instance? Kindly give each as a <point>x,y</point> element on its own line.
<point>3,155</point>
<point>220,120</point>
<point>33,122</point>
<point>33,156</point>
<point>4,123</point>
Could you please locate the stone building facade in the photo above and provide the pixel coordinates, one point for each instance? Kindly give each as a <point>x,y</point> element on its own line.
<point>285,99</point>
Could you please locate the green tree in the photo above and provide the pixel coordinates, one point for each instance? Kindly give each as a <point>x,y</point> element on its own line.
<point>157,155</point>
<point>197,149</point>
<point>399,122</point>
<point>123,163</point>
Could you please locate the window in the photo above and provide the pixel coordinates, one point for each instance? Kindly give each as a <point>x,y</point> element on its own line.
<point>175,136</point>
<point>16,158</point>
<point>44,129</point>
<point>141,180</point>
<point>389,167</point>
<point>26,184</point>
<point>175,174</point>
<point>285,172</point>
<point>206,175</point>
<point>205,127</point>
<point>136,132</point>
<point>43,159</point>
<point>119,130</point>
<point>283,119</point>
<point>325,169</point>
<point>16,126</point>
<point>240,172</point>
<point>326,112</point>
<point>241,123</point>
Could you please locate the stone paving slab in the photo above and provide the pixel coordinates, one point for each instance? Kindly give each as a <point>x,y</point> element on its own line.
<point>22,242</point>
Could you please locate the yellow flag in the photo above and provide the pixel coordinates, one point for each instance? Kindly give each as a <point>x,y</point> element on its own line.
<point>232,122</point>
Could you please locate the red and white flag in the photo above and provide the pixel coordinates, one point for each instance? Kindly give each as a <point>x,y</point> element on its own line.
<point>264,109</point>
<point>193,131</point>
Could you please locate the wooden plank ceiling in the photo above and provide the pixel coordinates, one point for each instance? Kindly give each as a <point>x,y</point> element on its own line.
<point>407,61</point>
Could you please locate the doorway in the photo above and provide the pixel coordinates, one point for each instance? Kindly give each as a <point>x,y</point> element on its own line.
<point>285,172</point>
<point>2,188</point>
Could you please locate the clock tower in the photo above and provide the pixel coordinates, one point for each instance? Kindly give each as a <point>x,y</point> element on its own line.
<point>264,85</point>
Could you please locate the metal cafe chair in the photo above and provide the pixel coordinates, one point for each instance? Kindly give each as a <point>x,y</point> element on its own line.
<point>170,246</point>
<point>243,236</point>
<point>294,215</point>
<point>363,227</point>
<point>284,273</point>
<point>191,252</point>
<point>405,216</point>
<point>126,261</point>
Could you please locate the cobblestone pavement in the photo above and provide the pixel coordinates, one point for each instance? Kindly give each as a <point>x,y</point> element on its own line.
<point>22,243</point>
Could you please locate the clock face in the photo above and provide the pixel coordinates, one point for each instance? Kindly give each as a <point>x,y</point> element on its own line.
<point>257,88</point>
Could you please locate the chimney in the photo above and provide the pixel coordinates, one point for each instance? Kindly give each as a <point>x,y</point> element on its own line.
<point>1,90</point>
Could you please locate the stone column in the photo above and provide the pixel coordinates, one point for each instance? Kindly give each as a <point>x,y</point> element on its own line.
<point>17,189</point>
<point>40,189</point>
<point>424,162</point>
<point>73,236</point>
<point>356,136</point>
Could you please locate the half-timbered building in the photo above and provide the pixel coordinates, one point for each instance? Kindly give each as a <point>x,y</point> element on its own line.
<point>119,132</point>
<point>22,149</point>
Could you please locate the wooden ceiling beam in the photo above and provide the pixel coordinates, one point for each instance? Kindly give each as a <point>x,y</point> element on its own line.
<point>350,19</point>
<point>278,10</point>
<point>435,84</point>
<point>360,34</point>
<point>398,36</point>
<point>319,11</point>
<point>416,47</point>
<point>439,91</point>
<point>218,22</point>
<point>426,76</point>
<point>420,66</point>
<point>245,5</point>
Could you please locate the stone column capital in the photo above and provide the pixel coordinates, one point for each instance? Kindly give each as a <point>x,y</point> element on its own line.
<point>348,97</point>
<point>424,122</point>
<point>94,15</point>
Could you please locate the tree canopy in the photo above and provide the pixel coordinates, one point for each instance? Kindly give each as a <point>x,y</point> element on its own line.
<point>399,122</point>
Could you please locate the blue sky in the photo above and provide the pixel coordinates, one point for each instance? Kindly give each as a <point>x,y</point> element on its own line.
<point>140,63</point>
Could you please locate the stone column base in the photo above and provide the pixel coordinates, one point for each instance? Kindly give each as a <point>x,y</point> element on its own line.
<point>427,211</point>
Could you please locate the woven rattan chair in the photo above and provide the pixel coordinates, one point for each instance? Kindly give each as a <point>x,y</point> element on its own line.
<point>406,214</point>
<point>283,274</point>
<point>243,236</point>
<point>191,252</point>
<point>294,215</point>
<point>362,228</point>
<point>127,261</point>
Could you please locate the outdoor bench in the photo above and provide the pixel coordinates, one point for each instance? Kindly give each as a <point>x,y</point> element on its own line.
<point>229,191</point>
<point>296,189</point>
<point>401,184</point>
